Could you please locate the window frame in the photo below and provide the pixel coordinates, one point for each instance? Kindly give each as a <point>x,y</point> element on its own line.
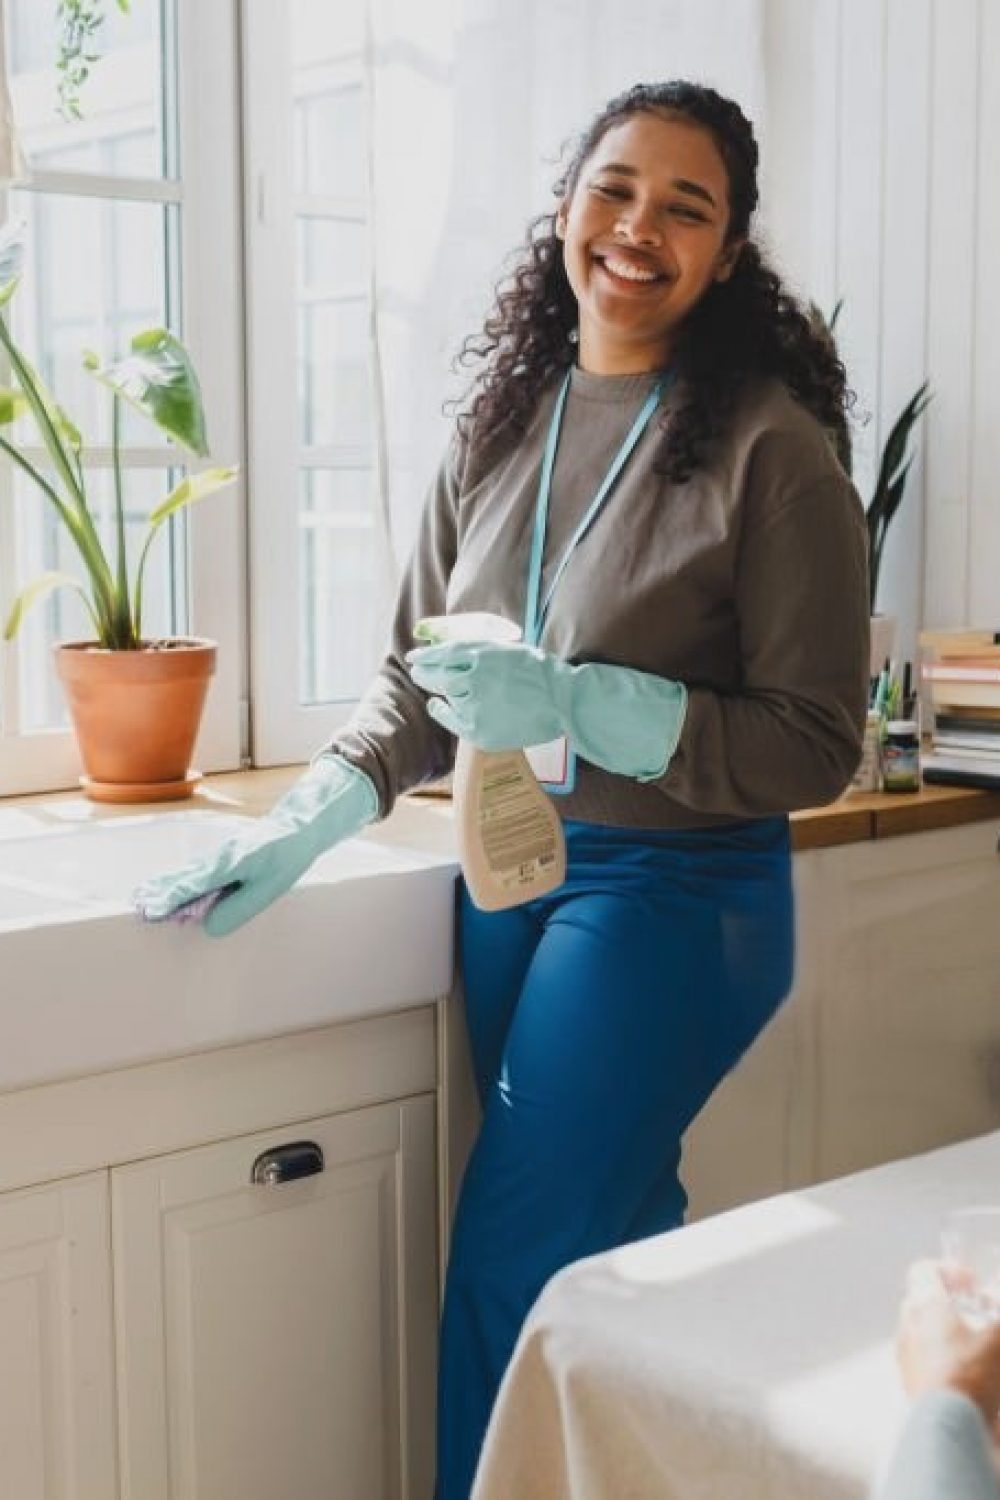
<point>208,191</point>
<point>284,730</point>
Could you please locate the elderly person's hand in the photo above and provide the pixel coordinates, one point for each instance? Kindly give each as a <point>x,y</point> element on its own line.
<point>938,1351</point>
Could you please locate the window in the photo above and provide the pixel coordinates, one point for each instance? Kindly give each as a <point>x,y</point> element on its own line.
<point>128,226</point>
<point>137,214</point>
<point>315,554</point>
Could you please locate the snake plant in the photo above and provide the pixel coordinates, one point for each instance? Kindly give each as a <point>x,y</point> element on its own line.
<point>157,378</point>
<point>894,465</point>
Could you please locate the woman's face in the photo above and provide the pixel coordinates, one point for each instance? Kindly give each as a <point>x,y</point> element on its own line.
<point>644,239</point>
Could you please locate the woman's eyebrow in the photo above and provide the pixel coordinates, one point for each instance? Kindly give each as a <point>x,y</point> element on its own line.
<point>682,184</point>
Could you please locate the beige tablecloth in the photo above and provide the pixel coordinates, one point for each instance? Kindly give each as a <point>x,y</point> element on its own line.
<point>748,1356</point>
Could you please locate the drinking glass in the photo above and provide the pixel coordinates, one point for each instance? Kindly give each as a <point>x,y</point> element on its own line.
<point>970,1240</point>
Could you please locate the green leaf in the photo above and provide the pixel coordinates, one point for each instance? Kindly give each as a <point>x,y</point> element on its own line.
<point>191,489</point>
<point>72,509</point>
<point>11,258</point>
<point>894,451</point>
<point>159,380</point>
<point>12,405</point>
<point>38,590</point>
<point>123,612</point>
<point>194,487</point>
<point>66,428</point>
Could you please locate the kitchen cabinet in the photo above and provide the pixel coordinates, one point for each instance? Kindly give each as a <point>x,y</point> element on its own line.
<point>57,1419</point>
<point>277,1338</point>
<point>889,1044</point>
<point>171,1328</point>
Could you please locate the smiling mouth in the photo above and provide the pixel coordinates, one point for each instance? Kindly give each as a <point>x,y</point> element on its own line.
<point>625,273</point>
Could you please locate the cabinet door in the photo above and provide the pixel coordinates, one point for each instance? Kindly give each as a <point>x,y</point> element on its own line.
<point>279,1340</point>
<point>908,1034</point>
<point>56,1348</point>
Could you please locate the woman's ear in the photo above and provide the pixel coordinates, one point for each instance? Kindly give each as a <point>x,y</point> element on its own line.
<point>728,259</point>
<point>561,221</point>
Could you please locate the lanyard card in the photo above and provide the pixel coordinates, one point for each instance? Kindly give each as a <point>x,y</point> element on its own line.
<point>554,765</point>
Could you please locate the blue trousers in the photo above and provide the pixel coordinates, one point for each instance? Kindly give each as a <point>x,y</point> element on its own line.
<point>601,1018</point>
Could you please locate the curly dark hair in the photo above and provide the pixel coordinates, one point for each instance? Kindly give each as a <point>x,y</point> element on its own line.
<point>747,325</point>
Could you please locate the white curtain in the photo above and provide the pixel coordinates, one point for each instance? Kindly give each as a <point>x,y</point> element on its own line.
<point>471,102</point>
<point>11,159</point>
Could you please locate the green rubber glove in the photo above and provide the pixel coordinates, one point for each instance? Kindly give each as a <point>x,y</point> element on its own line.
<point>330,802</point>
<point>503,697</point>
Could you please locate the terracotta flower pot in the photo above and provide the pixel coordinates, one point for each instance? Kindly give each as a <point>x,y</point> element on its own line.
<point>136,715</point>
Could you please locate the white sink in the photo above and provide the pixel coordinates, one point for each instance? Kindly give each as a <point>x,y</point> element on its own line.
<point>25,903</point>
<point>105,861</point>
<point>370,928</point>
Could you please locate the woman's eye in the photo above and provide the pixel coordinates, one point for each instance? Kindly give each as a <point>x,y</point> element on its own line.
<point>608,192</point>
<point>692,215</point>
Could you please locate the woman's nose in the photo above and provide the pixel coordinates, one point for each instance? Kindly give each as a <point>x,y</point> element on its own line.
<point>637,223</point>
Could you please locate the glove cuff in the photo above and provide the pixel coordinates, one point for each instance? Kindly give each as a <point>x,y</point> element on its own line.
<point>626,721</point>
<point>332,791</point>
<point>344,778</point>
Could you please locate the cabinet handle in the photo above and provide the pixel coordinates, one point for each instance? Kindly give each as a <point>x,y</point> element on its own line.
<point>285,1163</point>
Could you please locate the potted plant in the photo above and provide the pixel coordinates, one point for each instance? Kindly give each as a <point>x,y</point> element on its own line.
<point>894,468</point>
<point>135,703</point>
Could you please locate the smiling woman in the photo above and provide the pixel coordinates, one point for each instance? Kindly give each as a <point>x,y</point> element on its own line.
<point>646,233</point>
<point>642,482</point>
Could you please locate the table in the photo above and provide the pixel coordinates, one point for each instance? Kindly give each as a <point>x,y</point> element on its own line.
<point>748,1356</point>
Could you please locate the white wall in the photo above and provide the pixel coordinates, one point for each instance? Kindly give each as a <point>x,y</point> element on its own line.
<point>881,187</point>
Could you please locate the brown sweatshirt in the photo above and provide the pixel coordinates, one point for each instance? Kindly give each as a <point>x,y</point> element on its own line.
<point>747,582</point>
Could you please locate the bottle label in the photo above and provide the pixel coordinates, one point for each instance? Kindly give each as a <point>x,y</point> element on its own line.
<point>900,767</point>
<point>554,765</point>
<point>517,835</point>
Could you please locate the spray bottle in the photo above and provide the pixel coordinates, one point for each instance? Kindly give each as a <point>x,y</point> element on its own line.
<point>510,836</point>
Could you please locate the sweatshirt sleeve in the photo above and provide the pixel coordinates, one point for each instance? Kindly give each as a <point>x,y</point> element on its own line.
<point>789,735</point>
<point>390,735</point>
<point>943,1451</point>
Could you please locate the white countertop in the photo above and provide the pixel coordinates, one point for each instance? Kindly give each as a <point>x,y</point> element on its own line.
<point>87,987</point>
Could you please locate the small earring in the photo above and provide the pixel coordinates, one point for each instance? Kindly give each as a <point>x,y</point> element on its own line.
<point>573,336</point>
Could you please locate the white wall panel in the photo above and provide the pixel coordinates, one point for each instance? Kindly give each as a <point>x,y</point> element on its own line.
<point>902,345</point>
<point>859,192</point>
<point>951,312</point>
<point>984,517</point>
<point>881,121</point>
<point>798,132</point>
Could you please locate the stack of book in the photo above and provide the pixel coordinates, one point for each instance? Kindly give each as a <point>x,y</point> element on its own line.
<point>963,674</point>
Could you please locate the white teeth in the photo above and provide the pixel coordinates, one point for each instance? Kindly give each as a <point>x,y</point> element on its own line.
<point>629,272</point>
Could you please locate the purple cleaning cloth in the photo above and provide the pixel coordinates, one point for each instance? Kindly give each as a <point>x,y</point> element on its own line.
<point>196,910</point>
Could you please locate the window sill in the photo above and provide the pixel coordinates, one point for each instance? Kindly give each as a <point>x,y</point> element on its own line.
<point>852,819</point>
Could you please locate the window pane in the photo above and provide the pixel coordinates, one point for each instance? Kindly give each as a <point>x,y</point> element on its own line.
<point>326,85</point>
<point>122,99</point>
<point>328,142</point>
<point>337,576</point>
<point>332,255</point>
<point>95,274</point>
<point>43,544</point>
<point>334,394</point>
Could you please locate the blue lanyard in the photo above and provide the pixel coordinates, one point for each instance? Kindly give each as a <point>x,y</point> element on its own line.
<point>534,618</point>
